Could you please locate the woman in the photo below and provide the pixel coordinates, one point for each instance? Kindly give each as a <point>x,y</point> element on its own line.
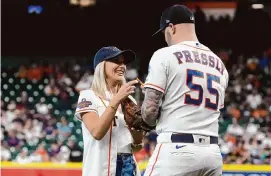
<point>107,140</point>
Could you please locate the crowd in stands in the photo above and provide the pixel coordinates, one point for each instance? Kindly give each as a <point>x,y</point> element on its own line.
<point>245,125</point>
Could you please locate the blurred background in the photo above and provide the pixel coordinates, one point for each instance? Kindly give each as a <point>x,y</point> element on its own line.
<point>46,59</point>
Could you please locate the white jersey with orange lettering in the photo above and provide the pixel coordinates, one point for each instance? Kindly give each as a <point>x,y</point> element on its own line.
<point>193,80</point>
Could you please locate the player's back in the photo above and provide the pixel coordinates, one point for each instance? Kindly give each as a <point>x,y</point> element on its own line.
<point>195,89</point>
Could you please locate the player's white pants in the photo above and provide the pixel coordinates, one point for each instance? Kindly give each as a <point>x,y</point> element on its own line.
<point>182,159</point>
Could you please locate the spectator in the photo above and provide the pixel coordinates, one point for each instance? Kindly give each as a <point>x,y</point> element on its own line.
<point>235,129</point>
<point>24,100</point>
<point>254,99</point>
<point>53,152</point>
<point>131,73</point>
<point>64,130</point>
<point>64,154</point>
<point>50,127</point>
<point>5,152</point>
<point>84,83</point>
<point>267,140</point>
<point>22,71</point>
<point>40,154</point>
<point>23,158</point>
<point>253,72</point>
<point>48,69</point>
<point>42,108</point>
<point>51,89</point>
<point>32,133</point>
<point>251,130</point>
<point>267,98</point>
<point>65,80</point>
<point>12,139</point>
<point>11,112</point>
<point>266,155</point>
<point>264,62</point>
<point>76,153</point>
<point>34,72</point>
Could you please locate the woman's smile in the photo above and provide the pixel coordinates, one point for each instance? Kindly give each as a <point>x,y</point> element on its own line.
<point>120,72</point>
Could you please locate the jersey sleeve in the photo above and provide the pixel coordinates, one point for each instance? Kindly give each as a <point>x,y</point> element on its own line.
<point>157,75</point>
<point>86,103</point>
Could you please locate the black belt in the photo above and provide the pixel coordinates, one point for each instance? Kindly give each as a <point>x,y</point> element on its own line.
<point>188,138</point>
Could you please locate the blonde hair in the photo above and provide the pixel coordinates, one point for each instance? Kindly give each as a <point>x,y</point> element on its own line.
<point>99,84</point>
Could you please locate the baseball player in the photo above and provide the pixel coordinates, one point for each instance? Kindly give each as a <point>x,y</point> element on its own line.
<point>184,92</point>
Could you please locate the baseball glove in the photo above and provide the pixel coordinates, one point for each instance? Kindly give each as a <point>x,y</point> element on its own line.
<point>132,116</point>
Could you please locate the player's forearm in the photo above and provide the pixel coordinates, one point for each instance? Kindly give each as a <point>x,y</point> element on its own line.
<point>150,106</point>
<point>150,113</point>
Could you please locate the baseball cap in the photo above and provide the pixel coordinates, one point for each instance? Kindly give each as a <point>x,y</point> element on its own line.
<point>111,52</point>
<point>176,14</point>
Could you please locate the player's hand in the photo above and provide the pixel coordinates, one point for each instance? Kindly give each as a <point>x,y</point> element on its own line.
<point>125,90</point>
<point>143,89</point>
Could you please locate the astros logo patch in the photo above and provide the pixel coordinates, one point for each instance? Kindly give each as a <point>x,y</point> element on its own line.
<point>84,103</point>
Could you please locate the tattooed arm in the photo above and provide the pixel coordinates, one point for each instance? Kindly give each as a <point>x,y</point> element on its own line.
<point>150,106</point>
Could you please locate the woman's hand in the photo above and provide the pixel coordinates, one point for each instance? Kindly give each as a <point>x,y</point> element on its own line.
<point>125,90</point>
